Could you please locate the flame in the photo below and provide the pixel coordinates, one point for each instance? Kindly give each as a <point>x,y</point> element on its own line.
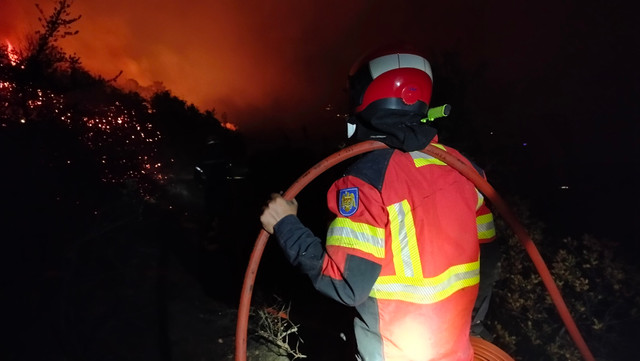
<point>11,52</point>
<point>229,126</point>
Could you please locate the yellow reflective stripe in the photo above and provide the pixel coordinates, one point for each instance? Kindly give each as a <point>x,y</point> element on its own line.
<point>394,225</point>
<point>487,234</point>
<point>404,243</point>
<point>346,233</point>
<point>486,228</point>
<point>427,290</point>
<point>421,159</point>
<point>480,199</point>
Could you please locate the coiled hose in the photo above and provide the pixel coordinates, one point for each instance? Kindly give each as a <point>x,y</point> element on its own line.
<point>470,173</point>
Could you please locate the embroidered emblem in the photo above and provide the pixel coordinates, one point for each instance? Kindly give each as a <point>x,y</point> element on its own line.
<point>348,201</point>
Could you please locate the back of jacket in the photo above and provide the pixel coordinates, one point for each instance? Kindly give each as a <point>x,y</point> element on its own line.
<point>420,220</point>
<point>404,250</point>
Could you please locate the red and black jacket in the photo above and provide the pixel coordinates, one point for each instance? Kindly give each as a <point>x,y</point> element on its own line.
<point>403,250</point>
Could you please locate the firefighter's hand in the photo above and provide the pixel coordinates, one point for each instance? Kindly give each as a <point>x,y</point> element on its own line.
<point>276,209</point>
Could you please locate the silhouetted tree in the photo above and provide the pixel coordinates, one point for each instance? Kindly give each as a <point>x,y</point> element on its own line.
<point>44,54</point>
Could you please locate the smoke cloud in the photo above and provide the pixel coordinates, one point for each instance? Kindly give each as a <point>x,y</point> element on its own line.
<point>227,55</point>
<point>279,64</point>
<point>243,58</point>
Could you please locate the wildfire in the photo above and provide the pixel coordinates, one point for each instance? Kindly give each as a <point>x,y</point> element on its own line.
<point>12,53</point>
<point>229,126</point>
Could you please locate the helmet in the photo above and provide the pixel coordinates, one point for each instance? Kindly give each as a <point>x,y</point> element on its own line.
<point>389,95</point>
<point>399,80</point>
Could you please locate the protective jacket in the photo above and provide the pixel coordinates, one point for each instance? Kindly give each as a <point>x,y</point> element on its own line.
<point>404,250</point>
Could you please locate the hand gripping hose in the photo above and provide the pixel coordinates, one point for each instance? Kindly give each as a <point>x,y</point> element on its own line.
<point>470,173</point>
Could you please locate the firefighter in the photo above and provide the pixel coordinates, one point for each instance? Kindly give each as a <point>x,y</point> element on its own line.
<point>403,248</point>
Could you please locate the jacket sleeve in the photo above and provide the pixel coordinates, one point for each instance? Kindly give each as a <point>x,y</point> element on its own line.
<point>348,264</point>
<point>484,221</point>
<point>484,217</point>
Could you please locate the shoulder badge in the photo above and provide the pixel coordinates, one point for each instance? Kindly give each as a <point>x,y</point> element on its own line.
<point>348,201</point>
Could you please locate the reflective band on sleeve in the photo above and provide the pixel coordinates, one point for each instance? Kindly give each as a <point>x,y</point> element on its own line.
<point>486,228</point>
<point>406,257</point>
<point>427,290</point>
<point>346,233</point>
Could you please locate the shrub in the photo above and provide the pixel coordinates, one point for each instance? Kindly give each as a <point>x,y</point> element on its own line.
<point>596,285</point>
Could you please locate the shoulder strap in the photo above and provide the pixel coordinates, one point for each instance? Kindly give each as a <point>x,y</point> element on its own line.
<point>372,167</point>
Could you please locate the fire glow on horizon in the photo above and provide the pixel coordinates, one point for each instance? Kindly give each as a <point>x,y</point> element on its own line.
<point>239,58</point>
<point>216,55</point>
<point>262,61</point>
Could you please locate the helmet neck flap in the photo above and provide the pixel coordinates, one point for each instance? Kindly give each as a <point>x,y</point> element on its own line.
<point>395,124</point>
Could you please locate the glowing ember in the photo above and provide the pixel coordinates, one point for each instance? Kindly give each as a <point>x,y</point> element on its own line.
<point>125,143</point>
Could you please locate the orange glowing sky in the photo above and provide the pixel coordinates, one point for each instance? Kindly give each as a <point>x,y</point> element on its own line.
<point>215,54</point>
<point>235,56</point>
<point>289,58</point>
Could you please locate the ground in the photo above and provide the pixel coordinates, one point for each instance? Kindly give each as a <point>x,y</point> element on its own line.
<point>153,280</point>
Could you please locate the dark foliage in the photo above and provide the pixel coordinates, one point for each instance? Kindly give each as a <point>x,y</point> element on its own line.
<point>596,285</point>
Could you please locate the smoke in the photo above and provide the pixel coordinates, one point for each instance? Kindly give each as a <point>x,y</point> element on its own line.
<point>278,63</point>
<point>241,58</point>
<point>228,55</point>
<point>13,24</point>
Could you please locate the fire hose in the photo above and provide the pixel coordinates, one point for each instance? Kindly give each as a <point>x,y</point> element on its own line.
<point>470,173</point>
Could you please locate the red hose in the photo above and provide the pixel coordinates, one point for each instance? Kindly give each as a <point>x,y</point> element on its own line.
<point>467,171</point>
<point>486,351</point>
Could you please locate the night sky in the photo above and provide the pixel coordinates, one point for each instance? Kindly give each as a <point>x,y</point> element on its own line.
<point>557,82</point>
